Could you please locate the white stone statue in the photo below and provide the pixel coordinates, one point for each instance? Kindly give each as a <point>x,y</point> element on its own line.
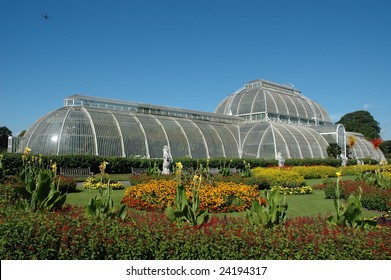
<point>167,160</point>
<point>359,162</point>
<point>280,159</point>
<point>344,159</point>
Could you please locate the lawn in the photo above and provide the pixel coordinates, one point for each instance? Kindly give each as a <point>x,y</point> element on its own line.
<point>298,205</point>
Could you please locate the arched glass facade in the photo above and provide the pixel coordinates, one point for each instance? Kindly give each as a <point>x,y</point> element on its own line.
<point>257,121</point>
<point>364,148</point>
<point>109,132</point>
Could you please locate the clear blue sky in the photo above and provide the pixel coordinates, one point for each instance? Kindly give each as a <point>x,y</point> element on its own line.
<point>192,54</point>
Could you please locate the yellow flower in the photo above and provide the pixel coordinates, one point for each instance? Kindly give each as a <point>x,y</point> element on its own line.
<point>339,174</point>
<point>102,166</point>
<point>54,168</point>
<point>179,165</point>
<point>26,151</point>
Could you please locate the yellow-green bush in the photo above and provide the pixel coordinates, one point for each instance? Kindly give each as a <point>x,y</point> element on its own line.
<point>315,172</point>
<point>273,176</point>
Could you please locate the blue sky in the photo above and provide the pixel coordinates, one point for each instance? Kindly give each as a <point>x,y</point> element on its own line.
<point>192,54</point>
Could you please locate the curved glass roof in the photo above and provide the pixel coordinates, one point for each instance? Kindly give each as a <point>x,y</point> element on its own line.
<point>266,139</point>
<point>257,121</point>
<point>88,130</point>
<point>263,100</point>
<point>364,148</point>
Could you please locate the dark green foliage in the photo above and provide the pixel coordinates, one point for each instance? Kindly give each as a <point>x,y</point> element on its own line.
<point>65,184</point>
<point>329,190</point>
<point>362,122</point>
<point>120,165</point>
<point>3,170</point>
<point>4,134</point>
<point>386,148</point>
<point>333,150</point>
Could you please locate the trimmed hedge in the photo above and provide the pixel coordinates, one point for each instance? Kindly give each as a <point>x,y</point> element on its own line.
<point>121,165</point>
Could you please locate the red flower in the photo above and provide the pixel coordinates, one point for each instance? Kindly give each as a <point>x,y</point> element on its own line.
<point>376,142</point>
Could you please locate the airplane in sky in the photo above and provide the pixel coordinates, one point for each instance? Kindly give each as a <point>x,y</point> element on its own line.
<point>45,16</point>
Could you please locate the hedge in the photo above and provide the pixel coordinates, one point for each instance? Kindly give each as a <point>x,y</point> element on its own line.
<point>123,165</point>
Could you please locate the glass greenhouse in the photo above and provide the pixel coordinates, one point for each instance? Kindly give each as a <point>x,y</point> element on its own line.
<point>257,121</point>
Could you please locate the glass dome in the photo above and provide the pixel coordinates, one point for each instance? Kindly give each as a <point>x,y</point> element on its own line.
<point>264,100</point>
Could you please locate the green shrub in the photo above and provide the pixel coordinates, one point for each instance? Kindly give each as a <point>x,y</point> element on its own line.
<point>65,184</point>
<point>350,214</point>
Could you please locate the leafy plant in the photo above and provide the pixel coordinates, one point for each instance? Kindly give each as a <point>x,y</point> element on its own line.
<point>349,215</point>
<point>269,214</point>
<point>153,170</point>
<point>186,210</point>
<point>377,178</point>
<point>246,170</point>
<point>3,171</point>
<point>225,170</point>
<point>41,192</point>
<point>102,205</point>
<point>40,189</point>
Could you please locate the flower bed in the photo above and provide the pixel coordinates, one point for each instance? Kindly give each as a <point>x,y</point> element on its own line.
<point>292,191</point>
<point>217,197</point>
<point>372,197</point>
<point>93,184</point>
<point>283,177</point>
<point>70,235</point>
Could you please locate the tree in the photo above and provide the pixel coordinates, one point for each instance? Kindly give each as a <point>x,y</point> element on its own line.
<point>386,148</point>
<point>22,133</point>
<point>333,150</point>
<point>362,122</point>
<point>4,133</point>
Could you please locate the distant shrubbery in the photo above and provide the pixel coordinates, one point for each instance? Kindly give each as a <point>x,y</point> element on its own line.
<point>121,165</point>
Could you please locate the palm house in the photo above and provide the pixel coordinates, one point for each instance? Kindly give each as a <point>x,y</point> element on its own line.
<point>257,121</point>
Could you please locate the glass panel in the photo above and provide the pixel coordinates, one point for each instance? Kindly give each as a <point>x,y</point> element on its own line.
<point>77,136</point>
<point>134,139</point>
<point>107,134</point>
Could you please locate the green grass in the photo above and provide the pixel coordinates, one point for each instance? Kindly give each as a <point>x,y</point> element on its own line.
<point>82,196</point>
<point>113,177</point>
<point>298,205</point>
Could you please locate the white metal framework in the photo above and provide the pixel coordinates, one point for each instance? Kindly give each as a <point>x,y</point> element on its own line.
<point>257,121</point>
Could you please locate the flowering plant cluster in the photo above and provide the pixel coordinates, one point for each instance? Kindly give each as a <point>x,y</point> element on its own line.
<point>217,197</point>
<point>92,183</point>
<point>297,190</point>
<point>315,172</point>
<point>278,177</point>
<point>70,235</point>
